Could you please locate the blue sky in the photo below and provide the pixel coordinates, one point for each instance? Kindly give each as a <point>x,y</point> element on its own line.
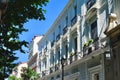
<point>35,27</point>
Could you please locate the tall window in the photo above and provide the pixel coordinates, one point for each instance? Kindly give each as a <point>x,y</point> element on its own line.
<point>66,19</point>
<point>53,35</point>
<point>59,29</point>
<point>75,10</point>
<point>94,31</point>
<point>40,65</point>
<point>75,43</point>
<point>59,55</point>
<point>66,50</point>
<point>96,76</point>
<point>45,63</point>
<point>53,59</point>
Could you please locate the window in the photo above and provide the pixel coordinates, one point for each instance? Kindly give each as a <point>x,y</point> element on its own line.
<point>59,29</point>
<point>45,63</point>
<point>96,76</point>
<point>75,43</point>
<point>53,59</point>
<point>40,65</point>
<point>66,50</point>
<point>59,55</point>
<point>94,32</point>
<point>75,10</point>
<point>53,36</point>
<point>66,19</point>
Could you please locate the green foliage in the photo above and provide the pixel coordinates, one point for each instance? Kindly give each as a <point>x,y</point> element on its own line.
<point>90,41</point>
<point>85,44</point>
<point>14,78</point>
<point>17,13</point>
<point>29,74</point>
<point>71,53</point>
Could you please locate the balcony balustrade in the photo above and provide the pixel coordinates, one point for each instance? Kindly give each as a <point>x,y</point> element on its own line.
<point>57,66</point>
<point>58,37</point>
<point>90,3</point>
<point>52,69</point>
<point>73,57</point>
<point>65,29</point>
<point>45,50</point>
<point>92,47</point>
<point>43,73</point>
<point>74,20</point>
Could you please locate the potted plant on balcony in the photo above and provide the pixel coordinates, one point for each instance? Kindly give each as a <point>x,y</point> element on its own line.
<point>71,53</point>
<point>85,46</point>
<point>91,45</point>
<point>71,56</point>
<point>90,41</point>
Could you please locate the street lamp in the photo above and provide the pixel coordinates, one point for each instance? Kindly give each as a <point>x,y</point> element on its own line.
<point>62,63</point>
<point>107,55</point>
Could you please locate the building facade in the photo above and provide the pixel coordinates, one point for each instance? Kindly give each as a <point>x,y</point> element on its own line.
<point>18,70</point>
<point>112,67</point>
<point>75,47</point>
<point>33,53</point>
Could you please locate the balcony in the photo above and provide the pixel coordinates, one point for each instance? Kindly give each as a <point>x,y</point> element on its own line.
<point>58,37</point>
<point>90,3</point>
<point>87,49</point>
<point>74,20</point>
<point>45,50</point>
<point>52,69</point>
<point>73,57</point>
<point>57,66</point>
<point>52,43</point>
<point>65,29</point>
<point>43,73</point>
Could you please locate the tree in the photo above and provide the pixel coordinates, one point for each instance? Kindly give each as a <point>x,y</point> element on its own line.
<point>29,74</point>
<point>17,13</point>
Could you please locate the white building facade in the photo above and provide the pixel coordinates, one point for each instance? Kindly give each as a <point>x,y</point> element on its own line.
<point>33,53</point>
<point>18,70</point>
<point>77,36</point>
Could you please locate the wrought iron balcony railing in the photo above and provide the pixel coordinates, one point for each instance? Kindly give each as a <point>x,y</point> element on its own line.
<point>45,50</point>
<point>52,69</point>
<point>52,43</point>
<point>58,37</point>
<point>65,29</point>
<point>73,57</point>
<point>92,47</point>
<point>90,3</point>
<point>57,66</point>
<point>43,73</point>
<point>74,20</point>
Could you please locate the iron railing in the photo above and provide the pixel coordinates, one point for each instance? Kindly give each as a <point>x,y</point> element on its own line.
<point>90,3</point>
<point>74,20</point>
<point>65,29</point>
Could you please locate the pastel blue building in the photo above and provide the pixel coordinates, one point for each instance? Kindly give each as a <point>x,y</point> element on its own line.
<point>77,36</point>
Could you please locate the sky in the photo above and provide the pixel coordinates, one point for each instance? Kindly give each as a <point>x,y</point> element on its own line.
<point>35,27</point>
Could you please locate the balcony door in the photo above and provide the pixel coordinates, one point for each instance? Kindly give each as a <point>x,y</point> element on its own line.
<point>94,31</point>
<point>75,44</point>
